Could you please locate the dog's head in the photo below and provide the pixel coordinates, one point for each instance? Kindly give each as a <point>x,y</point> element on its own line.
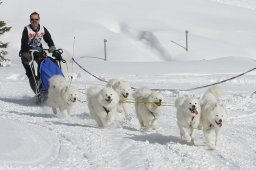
<point>70,94</point>
<point>108,97</point>
<point>123,89</point>
<point>216,114</point>
<point>154,101</point>
<point>192,106</point>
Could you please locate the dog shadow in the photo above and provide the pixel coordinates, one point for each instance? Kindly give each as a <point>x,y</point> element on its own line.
<point>154,138</point>
<point>72,124</point>
<point>130,128</point>
<point>33,114</point>
<point>84,115</point>
<point>24,101</point>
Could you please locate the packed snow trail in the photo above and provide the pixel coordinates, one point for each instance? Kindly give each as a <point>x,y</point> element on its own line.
<point>33,138</point>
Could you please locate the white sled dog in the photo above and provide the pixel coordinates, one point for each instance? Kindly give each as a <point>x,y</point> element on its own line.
<point>213,115</point>
<point>148,107</point>
<point>124,91</point>
<point>61,96</point>
<point>188,116</point>
<point>102,104</point>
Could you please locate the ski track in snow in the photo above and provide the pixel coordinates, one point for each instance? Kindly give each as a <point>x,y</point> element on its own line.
<point>79,144</point>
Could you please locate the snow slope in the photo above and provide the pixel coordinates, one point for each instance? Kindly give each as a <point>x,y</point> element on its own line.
<point>141,31</point>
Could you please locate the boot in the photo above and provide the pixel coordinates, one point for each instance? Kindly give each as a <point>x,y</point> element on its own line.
<point>42,97</point>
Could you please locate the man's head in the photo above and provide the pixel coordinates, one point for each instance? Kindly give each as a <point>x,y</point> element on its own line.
<point>34,20</point>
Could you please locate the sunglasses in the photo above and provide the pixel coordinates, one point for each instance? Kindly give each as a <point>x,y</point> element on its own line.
<point>32,19</point>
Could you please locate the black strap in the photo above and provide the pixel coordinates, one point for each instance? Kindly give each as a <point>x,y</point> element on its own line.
<point>153,114</point>
<point>106,110</point>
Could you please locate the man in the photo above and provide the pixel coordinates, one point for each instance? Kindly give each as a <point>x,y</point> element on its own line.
<point>32,37</point>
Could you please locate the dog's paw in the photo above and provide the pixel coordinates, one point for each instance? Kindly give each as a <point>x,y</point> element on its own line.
<point>211,146</point>
<point>186,138</point>
<point>59,115</point>
<point>54,110</point>
<point>153,127</point>
<point>144,129</point>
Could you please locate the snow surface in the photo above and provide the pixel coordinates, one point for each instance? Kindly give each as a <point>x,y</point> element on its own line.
<point>222,39</point>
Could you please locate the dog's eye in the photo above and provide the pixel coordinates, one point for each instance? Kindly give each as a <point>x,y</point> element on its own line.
<point>217,115</point>
<point>189,103</point>
<point>195,103</point>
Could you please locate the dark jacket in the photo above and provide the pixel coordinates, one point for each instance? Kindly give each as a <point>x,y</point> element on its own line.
<point>25,47</point>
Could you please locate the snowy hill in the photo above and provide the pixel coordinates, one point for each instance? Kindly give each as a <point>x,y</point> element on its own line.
<point>141,31</point>
<point>221,45</point>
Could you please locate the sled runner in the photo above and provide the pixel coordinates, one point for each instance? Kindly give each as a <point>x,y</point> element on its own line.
<point>47,66</point>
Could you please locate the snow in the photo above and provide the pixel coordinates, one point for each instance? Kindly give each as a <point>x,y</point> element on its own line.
<point>139,49</point>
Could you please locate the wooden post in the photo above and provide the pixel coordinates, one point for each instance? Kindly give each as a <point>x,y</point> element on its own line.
<point>105,49</point>
<point>186,40</point>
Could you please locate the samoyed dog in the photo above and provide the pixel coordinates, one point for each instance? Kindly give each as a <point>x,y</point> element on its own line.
<point>148,106</point>
<point>124,91</point>
<point>213,115</point>
<point>61,95</point>
<point>188,116</point>
<point>102,104</point>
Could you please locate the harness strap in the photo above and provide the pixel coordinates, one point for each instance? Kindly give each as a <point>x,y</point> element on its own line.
<point>106,110</point>
<point>193,118</point>
<point>152,114</point>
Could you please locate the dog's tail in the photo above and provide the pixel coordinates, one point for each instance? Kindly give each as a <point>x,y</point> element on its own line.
<point>215,90</point>
<point>92,91</point>
<point>179,101</point>
<point>112,82</point>
<point>142,92</point>
<point>211,95</point>
<point>57,81</point>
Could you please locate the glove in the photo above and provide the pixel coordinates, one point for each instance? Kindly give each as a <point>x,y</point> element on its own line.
<point>37,55</point>
<point>26,57</point>
<point>51,49</point>
<point>39,49</point>
<point>57,55</point>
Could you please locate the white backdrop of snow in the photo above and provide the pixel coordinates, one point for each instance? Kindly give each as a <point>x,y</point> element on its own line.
<point>221,44</point>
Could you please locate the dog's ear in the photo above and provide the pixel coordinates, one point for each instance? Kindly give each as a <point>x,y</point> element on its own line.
<point>116,85</point>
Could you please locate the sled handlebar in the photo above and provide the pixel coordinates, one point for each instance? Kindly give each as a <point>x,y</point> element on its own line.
<point>57,54</point>
<point>57,50</point>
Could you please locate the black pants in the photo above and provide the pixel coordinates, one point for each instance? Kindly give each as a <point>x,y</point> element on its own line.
<point>30,72</point>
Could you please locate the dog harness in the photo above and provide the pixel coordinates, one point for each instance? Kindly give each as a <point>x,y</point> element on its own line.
<point>153,114</point>
<point>106,110</point>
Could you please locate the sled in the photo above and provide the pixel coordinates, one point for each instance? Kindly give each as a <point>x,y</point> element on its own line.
<point>47,66</point>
